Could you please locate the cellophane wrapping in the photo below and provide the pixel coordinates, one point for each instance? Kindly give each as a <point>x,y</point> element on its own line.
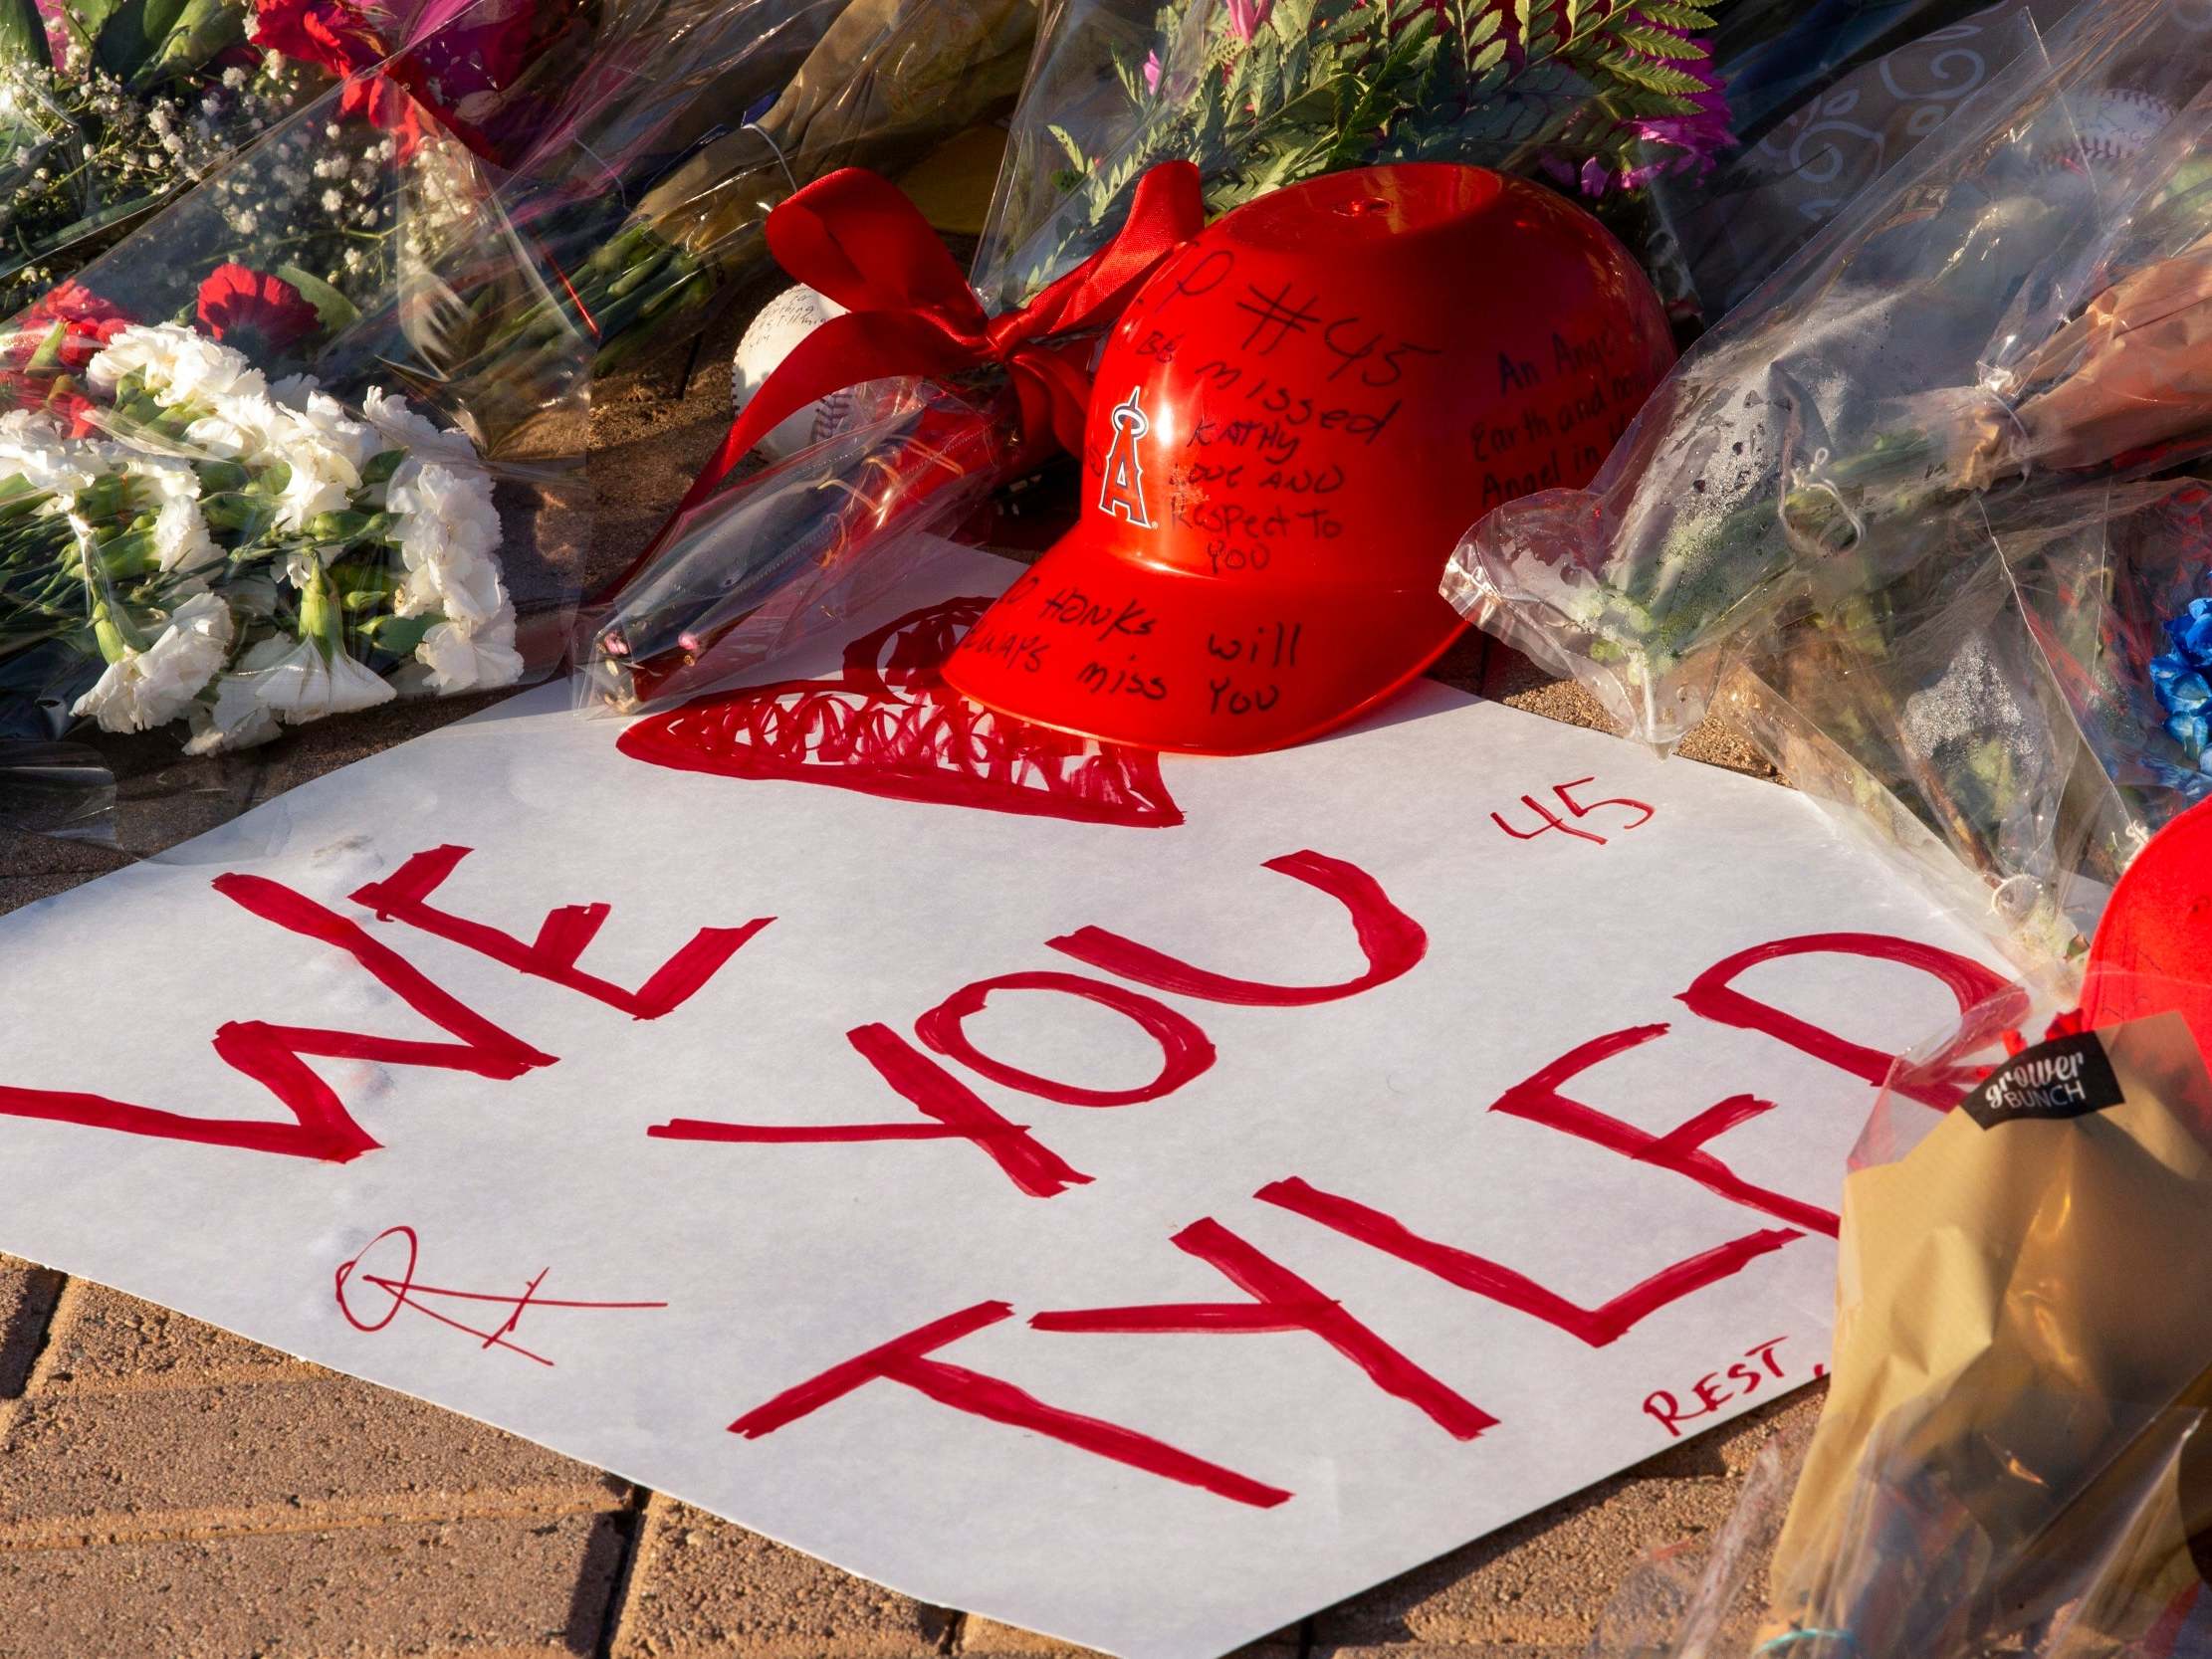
<point>311,437</point>
<point>1598,99</point>
<point>1918,511</point>
<point>2013,1456</point>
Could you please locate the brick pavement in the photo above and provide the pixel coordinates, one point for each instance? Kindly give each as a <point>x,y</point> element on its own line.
<point>171,1492</point>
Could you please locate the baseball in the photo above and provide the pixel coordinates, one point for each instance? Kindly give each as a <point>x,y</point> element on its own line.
<point>781,324</point>
<point>2115,126</point>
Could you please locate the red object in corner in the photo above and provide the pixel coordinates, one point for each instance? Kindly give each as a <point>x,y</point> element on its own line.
<point>2153,950</point>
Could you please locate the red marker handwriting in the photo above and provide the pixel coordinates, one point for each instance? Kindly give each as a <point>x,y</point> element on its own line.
<point>1714,995</point>
<point>1716,1390</point>
<point>274,1056</point>
<point>396,1286</point>
<point>1597,1326</point>
<point>1392,941</point>
<point>907,1361</point>
<point>1280,1301</point>
<point>561,938</point>
<point>1551,820</point>
<point>956,1111</point>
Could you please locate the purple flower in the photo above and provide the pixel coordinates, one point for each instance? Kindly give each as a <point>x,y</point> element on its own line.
<point>1152,72</point>
<point>1246,17</point>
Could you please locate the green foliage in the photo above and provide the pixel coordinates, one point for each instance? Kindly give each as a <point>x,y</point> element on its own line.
<point>1323,85</point>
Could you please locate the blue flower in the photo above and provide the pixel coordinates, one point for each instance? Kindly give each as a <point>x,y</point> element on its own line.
<point>2188,695</point>
<point>2165,669</point>
<point>2191,632</point>
<point>2191,732</point>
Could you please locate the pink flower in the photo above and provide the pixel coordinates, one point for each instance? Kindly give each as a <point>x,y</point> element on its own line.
<point>1152,72</point>
<point>1246,16</point>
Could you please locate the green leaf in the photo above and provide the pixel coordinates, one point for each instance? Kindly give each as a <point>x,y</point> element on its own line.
<point>1658,77</point>
<point>336,310</point>
<point>1675,16</point>
<point>23,35</point>
<point>1488,57</point>
<point>1067,141</point>
<point>1655,43</point>
<point>1482,30</point>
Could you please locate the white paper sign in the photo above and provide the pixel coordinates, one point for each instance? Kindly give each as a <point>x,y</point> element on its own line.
<point>1140,1202</point>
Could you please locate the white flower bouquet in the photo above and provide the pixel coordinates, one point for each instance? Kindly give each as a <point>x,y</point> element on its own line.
<point>193,543</point>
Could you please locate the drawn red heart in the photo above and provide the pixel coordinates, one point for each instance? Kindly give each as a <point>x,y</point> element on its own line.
<point>2153,949</point>
<point>888,725</point>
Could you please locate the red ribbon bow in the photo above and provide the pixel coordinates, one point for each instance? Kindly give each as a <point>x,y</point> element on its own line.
<point>852,237</point>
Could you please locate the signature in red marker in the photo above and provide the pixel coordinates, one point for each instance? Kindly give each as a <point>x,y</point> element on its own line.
<point>384,1280</point>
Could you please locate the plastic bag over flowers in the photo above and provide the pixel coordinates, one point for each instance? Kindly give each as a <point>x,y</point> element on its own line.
<point>280,454</point>
<point>1913,507</point>
<point>312,439</point>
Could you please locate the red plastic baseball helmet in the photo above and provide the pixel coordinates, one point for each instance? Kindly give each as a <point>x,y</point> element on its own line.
<point>1291,426</point>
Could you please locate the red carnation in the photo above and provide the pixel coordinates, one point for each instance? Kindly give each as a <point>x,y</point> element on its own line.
<point>259,314</point>
<point>337,37</point>
<point>89,322</point>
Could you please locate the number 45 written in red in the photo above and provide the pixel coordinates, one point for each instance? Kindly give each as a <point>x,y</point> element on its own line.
<point>1579,809</point>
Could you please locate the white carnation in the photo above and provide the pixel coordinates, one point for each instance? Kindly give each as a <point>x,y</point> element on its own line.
<point>33,448</point>
<point>460,661</point>
<point>180,538</point>
<point>448,535</point>
<point>152,687</point>
<point>320,478</point>
<point>177,364</point>
<point>294,682</point>
<point>404,429</point>
<point>325,417</point>
<point>235,721</point>
<point>241,427</point>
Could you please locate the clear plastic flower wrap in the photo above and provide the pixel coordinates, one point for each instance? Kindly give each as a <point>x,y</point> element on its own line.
<point>111,107</point>
<point>1916,507</point>
<point>1596,98</point>
<point>313,437</point>
<point>947,403</point>
<point>2014,1454</point>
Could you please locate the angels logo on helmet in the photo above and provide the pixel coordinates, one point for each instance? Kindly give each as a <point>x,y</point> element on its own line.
<point>1121,479</point>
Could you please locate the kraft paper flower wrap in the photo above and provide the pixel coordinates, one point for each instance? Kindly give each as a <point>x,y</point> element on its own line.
<point>2014,1446</point>
<point>1900,514</point>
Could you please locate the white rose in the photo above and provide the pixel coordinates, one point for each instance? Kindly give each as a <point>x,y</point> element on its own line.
<point>152,687</point>
<point>294,683</point>
<point>460,661</point>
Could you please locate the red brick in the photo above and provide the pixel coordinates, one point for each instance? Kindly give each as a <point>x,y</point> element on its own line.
<point>27,1296</point>
<point>237,1456</point>
<point>984,1638</point>
<point>488,1588</point>
<point>103,1339</point>
<point>701,1588</point>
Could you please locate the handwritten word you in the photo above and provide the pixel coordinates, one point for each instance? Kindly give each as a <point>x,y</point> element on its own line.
<point>929,1067</point>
